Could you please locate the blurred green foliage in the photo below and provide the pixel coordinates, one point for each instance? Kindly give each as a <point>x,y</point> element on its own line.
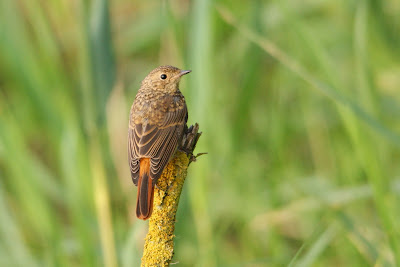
<point>298,102</point>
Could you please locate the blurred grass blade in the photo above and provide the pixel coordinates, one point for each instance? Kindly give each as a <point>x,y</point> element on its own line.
<point>201,88</point>
<point>78,193</point>
<point>250,78</point>
<point>296,68</point>
<point>367,148</point>
<point>103,76</point>
<point>27,68</point>
<point>364,89</point>
<point>130,252</point>
<point>318,246</point>
<point>11,238</point>
<point>102,57</point>
<point>102,202</point>
<point>363,245</point>
<point>335,199</point>
<point>28,188</point>
<point>15,151</point>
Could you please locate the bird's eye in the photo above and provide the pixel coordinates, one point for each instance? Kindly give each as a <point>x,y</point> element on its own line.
<point>163,76</point>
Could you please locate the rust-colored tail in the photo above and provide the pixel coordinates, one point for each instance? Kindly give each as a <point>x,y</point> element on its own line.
<point>144,205</point>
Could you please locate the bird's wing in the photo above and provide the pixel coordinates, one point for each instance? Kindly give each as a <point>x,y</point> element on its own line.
<point>157,142</point>
<point>133,154</point>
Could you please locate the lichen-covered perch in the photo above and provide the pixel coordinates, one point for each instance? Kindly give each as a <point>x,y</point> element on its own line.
<point>159,244</point>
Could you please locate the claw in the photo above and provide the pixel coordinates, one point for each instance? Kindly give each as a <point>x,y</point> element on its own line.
<point>193,158</point>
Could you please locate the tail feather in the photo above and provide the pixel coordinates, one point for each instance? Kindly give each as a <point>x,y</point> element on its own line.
<point>144,205</point>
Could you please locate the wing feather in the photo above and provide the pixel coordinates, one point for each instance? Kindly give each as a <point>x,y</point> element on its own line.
<point>157,142</point>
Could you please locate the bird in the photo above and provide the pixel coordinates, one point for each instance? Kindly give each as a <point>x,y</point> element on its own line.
<point>157,120</point>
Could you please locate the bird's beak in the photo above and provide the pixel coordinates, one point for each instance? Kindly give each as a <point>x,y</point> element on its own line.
<point>183,72</point>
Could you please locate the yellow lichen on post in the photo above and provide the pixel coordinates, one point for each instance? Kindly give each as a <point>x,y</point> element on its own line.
<point>159,244</point>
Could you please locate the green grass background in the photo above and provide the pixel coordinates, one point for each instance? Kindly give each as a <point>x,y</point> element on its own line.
<point>299,106</point>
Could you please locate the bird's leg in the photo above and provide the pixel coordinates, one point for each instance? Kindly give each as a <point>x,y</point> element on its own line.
<point>189,140</point>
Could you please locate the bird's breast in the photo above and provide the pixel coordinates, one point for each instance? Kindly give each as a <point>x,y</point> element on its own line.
<point>152,107</point>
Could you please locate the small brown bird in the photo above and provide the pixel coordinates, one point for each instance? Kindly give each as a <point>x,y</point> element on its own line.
<point>156,124</point>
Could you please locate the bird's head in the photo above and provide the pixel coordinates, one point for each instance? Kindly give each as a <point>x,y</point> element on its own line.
<point>164,78</point>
